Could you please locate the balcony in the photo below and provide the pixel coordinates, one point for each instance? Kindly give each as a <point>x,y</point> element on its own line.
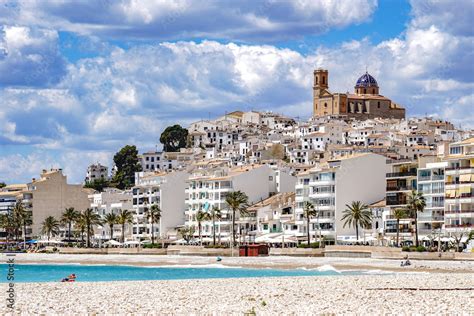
<point>399,200</point>
<point>466,225</point>
<point>400,188</point>
<point>462,196</point>
<point>459,167</point>
<point>411,173</point>
<point>459,212</point>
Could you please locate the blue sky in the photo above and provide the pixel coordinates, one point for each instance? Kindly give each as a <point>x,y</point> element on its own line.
<point>80,80</point>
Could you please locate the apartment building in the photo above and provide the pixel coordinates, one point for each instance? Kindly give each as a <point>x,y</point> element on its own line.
<point>111,200</point>
<point>275,214</point>
<point>97,172</point>
<point>9,196</point>
<point>400,182</point>
<point>208,187</point>
<point>51,195</point>
<point>167,190</point>
<point>332,185</point>
<point>430,182</point>
<point>459,186</point>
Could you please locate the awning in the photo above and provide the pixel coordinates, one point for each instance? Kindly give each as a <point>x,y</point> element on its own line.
<point>113,243</point>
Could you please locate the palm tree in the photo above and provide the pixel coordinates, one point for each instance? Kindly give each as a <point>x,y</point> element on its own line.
<point>238,203</point>
<point>308,212</point>
<point>110,219</point>
<point>81,225</point>
<point>357,214</point>
<point>187,232</point>
<point>69,216</point>
<point>399,213</point>
<point>6,222</point>
<point>23,218</point>
<point>50,226</point>
<point>124,217</point>
<point>416,203</point>
<point>201,216</point>
<point>154,216</point>
<point>91,218</point>
<point>215,213</point>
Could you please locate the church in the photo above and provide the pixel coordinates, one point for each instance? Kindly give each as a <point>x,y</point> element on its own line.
<point>366,102</point>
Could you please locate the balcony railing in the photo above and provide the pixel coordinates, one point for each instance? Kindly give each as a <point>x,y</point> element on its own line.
<point>459,211</point>
<point>401,201</point>
<point>401,174</point>
<point>400,188</point>
<point>467,225</point>
<point>459,167</point>
<point>462,196</point>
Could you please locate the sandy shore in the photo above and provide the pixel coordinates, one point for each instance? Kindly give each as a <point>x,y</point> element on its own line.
<point>442,266</point>
<point>402,293</point>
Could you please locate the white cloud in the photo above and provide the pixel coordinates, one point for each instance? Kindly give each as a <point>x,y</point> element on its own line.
<point>244,20</point>
<point>29,56</point>
<point>129,95</point>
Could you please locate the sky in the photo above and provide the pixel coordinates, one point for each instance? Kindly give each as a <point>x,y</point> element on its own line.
<point>81,79</point>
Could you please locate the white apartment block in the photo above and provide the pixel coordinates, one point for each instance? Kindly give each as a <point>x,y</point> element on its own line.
<point>97,172</point>
<point>332,185</point>
<point>166,161</point>
<point>208,188</point>
<point>167,190</point>
<point>459,186</point>
<point>430,182</point>
<point>9,196</point>
<point>111,201</point>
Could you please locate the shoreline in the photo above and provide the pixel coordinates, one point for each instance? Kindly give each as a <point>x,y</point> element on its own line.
<point>274,262</point>
<point>361,294</point>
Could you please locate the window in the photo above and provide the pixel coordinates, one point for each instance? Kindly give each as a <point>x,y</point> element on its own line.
<point>455,150</point>
<point>378,104</point>
<point>324,80</point>
<point>325,105</point>
<point>270,178</point>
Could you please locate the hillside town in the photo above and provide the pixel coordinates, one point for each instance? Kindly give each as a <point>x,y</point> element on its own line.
<point>357,172</point>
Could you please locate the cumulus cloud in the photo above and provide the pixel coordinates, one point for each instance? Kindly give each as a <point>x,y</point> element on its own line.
<point>266,20</point>
<point>29,56</point>
<point>128,95</point>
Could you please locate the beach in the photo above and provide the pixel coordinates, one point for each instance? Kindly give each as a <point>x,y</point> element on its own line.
<point>277,262</point>
<point>424,289</point>
<point>367,294</point>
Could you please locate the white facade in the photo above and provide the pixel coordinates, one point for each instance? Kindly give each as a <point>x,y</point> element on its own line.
<point>329,187</point>
<point>111,201</point>
<point>167,190</point>
<point>210,188</point>
<point>97,172</point>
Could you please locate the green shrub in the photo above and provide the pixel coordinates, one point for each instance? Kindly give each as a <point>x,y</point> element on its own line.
<point>420,248</point>
<point>157,245</point>
<point>405,248</point>
<point>311,245</point>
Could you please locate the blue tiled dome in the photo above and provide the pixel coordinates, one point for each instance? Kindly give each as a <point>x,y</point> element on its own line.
<point>366,80</point>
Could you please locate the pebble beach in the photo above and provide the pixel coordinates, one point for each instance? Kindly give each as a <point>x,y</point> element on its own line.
<point>427,288</point>
<point>366,294</point>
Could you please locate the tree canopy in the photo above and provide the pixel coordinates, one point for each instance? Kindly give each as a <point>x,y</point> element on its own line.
<point>173,138</point>
<point>97,184</point>
<point>126,162</point>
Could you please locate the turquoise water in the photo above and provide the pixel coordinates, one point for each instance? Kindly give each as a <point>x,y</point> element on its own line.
<point>54,273</point>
